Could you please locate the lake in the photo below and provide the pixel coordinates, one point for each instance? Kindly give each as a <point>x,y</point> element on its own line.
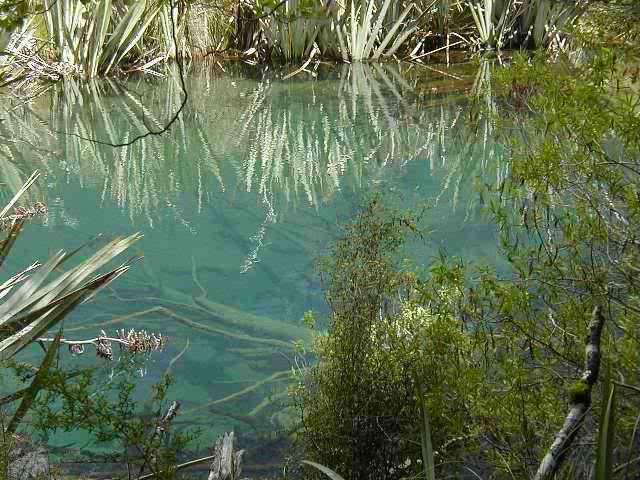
<point>236,201</point>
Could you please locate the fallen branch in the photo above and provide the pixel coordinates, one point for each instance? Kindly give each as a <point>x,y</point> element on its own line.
<point>303,68</point>
<point>181,466</point>
<point>579,401</point>
<point>225,463</point>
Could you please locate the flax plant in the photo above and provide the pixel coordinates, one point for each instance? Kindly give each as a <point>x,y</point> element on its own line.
<point>356,31</point>
<point>537,23</point>
<point>36,306</point>
<point>33,304</point>
<point>294,28</point>
<point>363,34</point>
<point>84,36</point>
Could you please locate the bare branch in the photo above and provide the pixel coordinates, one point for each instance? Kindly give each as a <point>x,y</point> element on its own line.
<point>579,401</point>
<point>174,117</point>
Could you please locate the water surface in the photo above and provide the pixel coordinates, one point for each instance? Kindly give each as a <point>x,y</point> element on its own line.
<point>236,201</point>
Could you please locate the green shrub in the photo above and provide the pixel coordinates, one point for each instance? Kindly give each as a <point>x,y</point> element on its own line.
<point>385,355</point>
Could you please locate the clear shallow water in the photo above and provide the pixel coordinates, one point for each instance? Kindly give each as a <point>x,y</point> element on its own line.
<point>236,201</point>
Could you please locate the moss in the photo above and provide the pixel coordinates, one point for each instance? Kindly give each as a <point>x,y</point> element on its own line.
<point>580,392</point>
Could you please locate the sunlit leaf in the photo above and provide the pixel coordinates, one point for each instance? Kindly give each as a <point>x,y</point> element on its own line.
<point>327,471</point>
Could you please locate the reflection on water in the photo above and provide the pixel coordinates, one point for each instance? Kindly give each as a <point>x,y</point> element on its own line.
<point>237,199</point>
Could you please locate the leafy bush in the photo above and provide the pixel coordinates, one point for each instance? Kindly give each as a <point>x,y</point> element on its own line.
<point>136,435</point>
<point>386,356</point>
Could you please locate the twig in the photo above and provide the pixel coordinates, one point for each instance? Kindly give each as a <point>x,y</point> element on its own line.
<point>579,402</point>
<point>177,357</point>
<point>134,341</point>
<point>92,341</point>
<point>181,466</point>
<point>437,50</point>
<point>629,387</point>
<point>172,411</point>
<point>174,117</point>
<point>304,66</point>
<point>161,427</point>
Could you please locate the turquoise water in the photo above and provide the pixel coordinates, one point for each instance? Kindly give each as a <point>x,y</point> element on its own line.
<point>236,201</point>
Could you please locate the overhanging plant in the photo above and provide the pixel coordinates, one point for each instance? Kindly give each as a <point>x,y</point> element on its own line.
<point>32,303</point>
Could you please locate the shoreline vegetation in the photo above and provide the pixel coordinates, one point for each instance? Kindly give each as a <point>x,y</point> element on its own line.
<point>93,38</point>
<point>448,369</point>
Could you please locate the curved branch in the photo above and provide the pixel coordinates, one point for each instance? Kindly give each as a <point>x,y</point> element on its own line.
<point>92,341</point>
<point>174,117</point>
<point>580,400</point>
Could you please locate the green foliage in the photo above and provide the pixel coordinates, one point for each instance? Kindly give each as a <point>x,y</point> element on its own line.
<point>604,453</point>
<point>388,358</point>
<point>137,435</point>
<point>497,353</point>
<point>568,214</point>
<point>411,376</point>
<point>37,384</point>
<point>426,443</point>
<point>615,25</point>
